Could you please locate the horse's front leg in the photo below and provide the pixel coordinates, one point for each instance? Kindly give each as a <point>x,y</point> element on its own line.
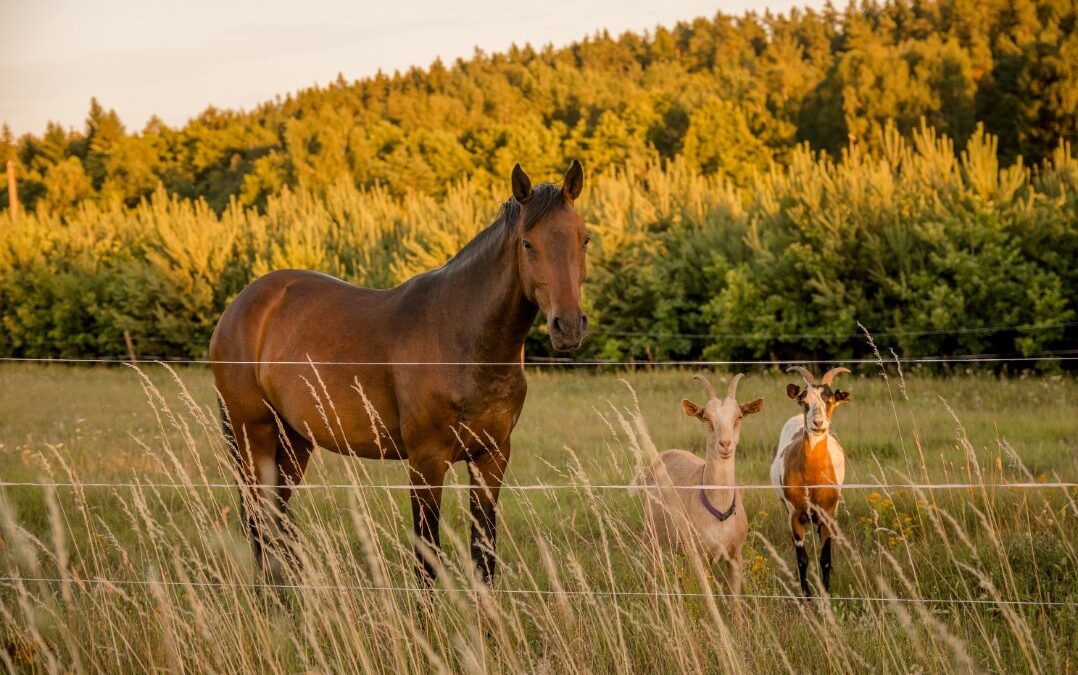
<point>486,471</point>
<point>427,474</point>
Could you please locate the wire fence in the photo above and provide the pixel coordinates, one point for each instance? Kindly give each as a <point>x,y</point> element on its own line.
<point>597,592</point>
<point>1059,355</point>
<point>1047,355</point>
<point>977,330</point>
<point>830,336</point>
<point>604,593</point>
<point>965,358</point>
<point>541,487</point>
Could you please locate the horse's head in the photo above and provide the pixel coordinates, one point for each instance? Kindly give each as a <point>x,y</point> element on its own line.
<point>553,244</point>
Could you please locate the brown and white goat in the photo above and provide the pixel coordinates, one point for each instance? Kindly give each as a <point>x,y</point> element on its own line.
<point>809,468</point>
<point>679,511</point>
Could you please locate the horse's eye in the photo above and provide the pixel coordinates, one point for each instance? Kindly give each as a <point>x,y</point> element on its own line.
<point>527,245</point>
<point>587,240</point>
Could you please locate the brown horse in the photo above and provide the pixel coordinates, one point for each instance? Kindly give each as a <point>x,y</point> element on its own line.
<point>438,360</point>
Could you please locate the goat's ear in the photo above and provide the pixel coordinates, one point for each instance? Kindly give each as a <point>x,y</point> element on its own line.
<point>754,407</point>
<point>522,185</point>
<point>691,409</point>
<point>842,397</point>
<point>793,391</point>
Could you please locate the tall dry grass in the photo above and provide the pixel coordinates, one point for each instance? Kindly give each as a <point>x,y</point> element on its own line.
<point>149,577</point>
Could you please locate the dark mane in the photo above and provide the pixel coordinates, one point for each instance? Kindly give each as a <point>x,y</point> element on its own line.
<point>546,198</point>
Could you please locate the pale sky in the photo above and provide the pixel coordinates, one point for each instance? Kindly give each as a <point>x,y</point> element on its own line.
<point>173,59</point>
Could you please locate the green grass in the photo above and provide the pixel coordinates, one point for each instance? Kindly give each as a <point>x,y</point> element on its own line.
<point>95,425</point>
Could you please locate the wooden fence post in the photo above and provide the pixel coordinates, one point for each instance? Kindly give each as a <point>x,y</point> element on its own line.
<point>130,346</point>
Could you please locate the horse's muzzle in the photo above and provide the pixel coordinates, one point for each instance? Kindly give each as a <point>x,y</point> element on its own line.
<point>568,330</point>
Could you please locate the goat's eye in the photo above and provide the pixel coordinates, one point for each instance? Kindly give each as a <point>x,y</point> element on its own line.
<point>527,245</point>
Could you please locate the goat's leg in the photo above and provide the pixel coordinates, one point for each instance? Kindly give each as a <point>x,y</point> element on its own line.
<point>733,579</point>
<point>733,574</point>
<point>826,522</point>
<point>797,529</point>
<point>654,554</point>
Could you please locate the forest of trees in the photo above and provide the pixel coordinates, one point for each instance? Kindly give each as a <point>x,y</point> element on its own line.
<point>751,180</point>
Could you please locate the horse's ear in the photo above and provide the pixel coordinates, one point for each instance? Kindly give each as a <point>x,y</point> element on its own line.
<point>573,183</point>
<point>522,185</point>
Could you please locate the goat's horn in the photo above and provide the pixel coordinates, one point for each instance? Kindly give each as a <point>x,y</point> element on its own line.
<point>731,391</point>
<point>707,385</point>
<point>830,375</point>
<point>809,379</point>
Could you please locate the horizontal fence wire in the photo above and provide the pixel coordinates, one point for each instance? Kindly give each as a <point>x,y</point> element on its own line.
<point>811,336</point>
<point>969,358</point>
<point>11,581</point>
<point>660,334</point>
<point>555,486</point>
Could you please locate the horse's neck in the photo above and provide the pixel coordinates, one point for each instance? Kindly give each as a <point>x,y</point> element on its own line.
<point>486,292</point>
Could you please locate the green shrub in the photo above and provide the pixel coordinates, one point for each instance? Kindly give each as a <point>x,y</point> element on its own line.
<point>914,240</point>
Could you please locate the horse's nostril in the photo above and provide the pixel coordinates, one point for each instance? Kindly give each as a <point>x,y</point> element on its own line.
<point>584,323</point>
<point>556,324</point>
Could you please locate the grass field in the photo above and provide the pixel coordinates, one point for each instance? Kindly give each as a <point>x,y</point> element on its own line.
<point>182,597</point>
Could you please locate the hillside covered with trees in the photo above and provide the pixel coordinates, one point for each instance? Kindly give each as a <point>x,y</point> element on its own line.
<point>752,180</point>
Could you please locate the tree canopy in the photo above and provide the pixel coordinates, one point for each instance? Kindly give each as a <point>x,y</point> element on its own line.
<point>730,93</point>
<point>758,186</point>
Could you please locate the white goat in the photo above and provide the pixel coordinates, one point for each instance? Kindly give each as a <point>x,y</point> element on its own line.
<point>809,468</point>
<point>679,513</point>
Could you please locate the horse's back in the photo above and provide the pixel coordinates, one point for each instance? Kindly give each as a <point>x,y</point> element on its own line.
<point>290,314</point>
<point>293,327</point>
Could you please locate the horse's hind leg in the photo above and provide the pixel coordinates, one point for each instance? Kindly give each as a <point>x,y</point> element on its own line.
<point>269,459</point>
<point>293,453</point>
<point>255,452</point>
<point>237,433</point>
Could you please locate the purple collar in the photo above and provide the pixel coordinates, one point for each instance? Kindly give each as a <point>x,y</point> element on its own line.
<point>721,515</point>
